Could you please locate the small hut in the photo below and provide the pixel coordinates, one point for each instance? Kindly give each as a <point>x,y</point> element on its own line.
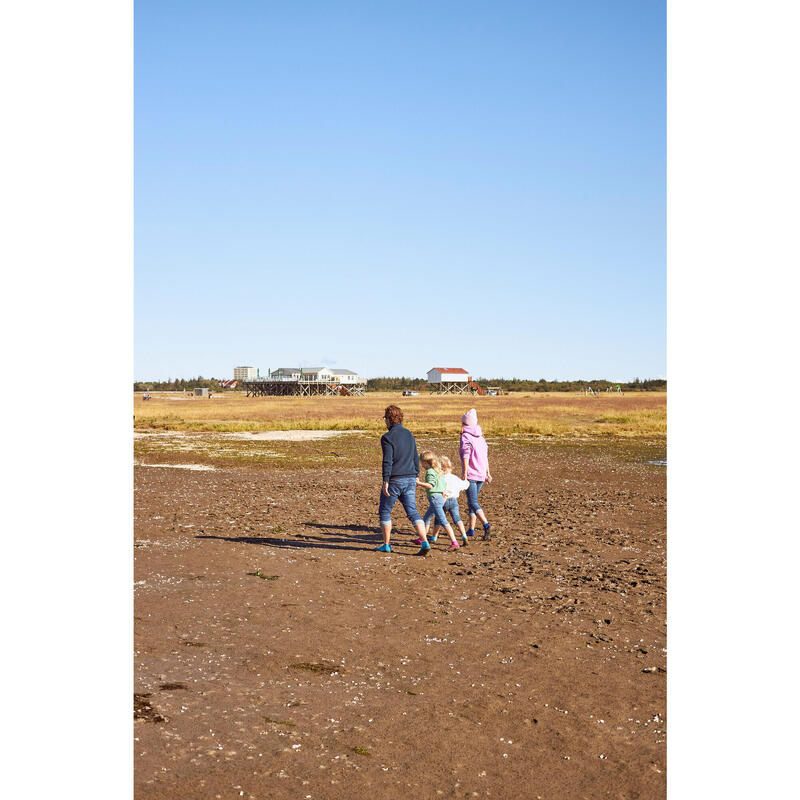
<point>452,380</point>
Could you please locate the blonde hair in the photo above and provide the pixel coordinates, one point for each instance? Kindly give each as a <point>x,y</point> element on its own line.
<point>429,457</point>
<point>446,462</point>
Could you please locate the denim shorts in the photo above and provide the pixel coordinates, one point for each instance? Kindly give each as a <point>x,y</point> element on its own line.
<point>406,490</point>
<point>472,496</point>
<point>450,507</point>
<point>436,510</point>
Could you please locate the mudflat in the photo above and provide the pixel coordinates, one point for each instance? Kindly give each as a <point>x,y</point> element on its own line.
<point>278,656</point>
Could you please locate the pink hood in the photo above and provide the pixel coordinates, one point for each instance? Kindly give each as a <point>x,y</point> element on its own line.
<point>473,447</point>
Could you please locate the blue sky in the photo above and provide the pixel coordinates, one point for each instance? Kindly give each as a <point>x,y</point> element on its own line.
<point>391,186</point>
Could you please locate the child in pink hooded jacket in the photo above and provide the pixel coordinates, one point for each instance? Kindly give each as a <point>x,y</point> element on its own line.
<point>474,453</point>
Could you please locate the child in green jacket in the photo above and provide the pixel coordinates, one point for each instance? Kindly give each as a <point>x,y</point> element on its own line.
<point>435,487</point>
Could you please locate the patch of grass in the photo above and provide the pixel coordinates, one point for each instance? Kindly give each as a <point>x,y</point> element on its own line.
<point>329,668</point>
<point>143,710</point>
<point>285,723</point>
<point>259,574</point>
<point>361,751</point>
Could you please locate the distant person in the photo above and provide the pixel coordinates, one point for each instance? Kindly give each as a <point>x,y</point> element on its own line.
<point>400,470</point>
<point>435,487</point>
<point>454,487</point>
<point>474,454</point>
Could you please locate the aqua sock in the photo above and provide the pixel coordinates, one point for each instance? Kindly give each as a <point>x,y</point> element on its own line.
<point>486,526</point>
<point>471,532</point>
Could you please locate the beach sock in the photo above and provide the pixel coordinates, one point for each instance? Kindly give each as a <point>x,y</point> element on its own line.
<point>470,531</point>
<point>424,550</point>
<point>454,546</point>
<point>465,541</point>
<point>384,548</point>
<point>418,540</point>
<point>486,528</point>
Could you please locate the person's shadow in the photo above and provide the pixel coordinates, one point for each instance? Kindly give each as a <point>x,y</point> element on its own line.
<point>362,537</point>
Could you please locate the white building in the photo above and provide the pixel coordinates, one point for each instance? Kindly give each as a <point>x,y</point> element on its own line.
<point>317,374</point>
<point>347,376</point>
<point>245,373</point>
<point>344,376</point>
<point>285,374</point>
<point>448,375</point>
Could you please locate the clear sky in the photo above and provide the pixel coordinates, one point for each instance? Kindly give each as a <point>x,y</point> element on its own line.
<point>391,186</point>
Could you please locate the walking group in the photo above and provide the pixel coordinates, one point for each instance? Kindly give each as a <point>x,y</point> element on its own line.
<point>401,468</point>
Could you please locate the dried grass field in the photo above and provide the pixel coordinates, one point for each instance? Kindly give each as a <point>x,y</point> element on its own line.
<point>639,415</point>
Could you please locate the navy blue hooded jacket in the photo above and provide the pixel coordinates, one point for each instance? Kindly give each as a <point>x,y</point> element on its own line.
<point>400,456</point>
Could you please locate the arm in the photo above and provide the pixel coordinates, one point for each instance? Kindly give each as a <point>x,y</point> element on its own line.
<point>426,485</point>
<point>388,459</point>
<point>464,450</point>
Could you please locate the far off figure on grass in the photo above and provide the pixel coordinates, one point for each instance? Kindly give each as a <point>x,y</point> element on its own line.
<point>435,486</point>
<point>400,470</point>
<point>474,454</point>
<point>453,487</point>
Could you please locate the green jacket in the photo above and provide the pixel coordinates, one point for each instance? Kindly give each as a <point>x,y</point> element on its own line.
<point>436,480</point>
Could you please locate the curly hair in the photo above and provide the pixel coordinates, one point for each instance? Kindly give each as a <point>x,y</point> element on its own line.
<point>393,415</point>
<point>430,458</point>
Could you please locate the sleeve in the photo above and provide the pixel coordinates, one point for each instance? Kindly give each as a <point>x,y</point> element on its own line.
<point>465,448</point>
<point>464,485</point>
<point>416,458</point>
<point>388,458</point>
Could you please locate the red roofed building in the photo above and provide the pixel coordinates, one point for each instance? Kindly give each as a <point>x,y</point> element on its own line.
<point>448,375</point>
<point>452,380</point>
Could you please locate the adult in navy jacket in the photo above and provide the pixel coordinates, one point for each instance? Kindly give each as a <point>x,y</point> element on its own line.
<point>400,474</point>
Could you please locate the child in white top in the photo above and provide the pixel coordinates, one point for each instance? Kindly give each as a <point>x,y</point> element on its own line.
<point>454,487</point>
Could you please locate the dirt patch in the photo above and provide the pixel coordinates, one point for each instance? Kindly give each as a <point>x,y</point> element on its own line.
<point>531,665</point>
<point>287,436</point>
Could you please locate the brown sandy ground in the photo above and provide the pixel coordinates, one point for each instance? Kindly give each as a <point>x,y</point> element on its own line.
<point>529,666</point>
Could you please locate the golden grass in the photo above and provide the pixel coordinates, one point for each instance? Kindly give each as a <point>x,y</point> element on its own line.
<point>642,415</point>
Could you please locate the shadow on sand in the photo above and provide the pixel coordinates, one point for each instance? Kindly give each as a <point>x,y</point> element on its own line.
<point>316,542</point>
<point>362,537</point>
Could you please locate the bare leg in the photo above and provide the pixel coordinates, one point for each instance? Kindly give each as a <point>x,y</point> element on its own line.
<point>462,530</point>
<point>481,517</point>
<point>420,526</point>
<point>387,532</point>
<point>450,533</point>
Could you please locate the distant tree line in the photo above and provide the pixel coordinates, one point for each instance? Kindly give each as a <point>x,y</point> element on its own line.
<point>421,385</point>
<point>524,385</point>
<point>178,385</point>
